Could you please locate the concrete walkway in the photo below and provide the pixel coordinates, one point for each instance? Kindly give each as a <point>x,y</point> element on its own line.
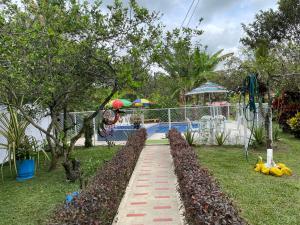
<point>151,196</point>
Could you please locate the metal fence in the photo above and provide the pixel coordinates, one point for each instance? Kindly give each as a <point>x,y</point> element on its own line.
<point>207,121</point>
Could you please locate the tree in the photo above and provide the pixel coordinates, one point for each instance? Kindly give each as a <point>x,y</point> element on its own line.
<point>57,53</point>
<point>275,27</point>
<point>186,62</point>
<point>273,40</point>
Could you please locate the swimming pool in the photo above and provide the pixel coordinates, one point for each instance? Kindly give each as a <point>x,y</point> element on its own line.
<point>121,133</point>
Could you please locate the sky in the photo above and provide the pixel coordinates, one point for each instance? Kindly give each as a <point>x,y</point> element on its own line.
<point>222,18</point>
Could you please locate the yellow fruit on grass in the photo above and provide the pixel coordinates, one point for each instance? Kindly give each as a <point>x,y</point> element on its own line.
<point>258,167</point>
<point>276,172</point>
<point>286,171</point>
<point>280,165</point>
<point>264,169</point>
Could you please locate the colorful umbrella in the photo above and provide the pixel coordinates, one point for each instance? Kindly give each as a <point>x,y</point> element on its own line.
<point>126,102</point>
<point>141,102</point>
<point>119,103</point>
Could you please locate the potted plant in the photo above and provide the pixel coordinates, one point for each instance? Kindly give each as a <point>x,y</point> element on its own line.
<point>21,148</point>
<point>25,159</point>
<point>136,120</point>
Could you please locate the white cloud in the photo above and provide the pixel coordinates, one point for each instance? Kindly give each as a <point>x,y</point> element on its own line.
<point>222,18</point>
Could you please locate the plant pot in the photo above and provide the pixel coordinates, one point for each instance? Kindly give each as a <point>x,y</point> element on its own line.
<point>25,169</point>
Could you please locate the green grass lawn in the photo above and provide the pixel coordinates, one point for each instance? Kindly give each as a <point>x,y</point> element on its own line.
<point>263,200</point>
<point>32,201</point>
<point>158,142</point>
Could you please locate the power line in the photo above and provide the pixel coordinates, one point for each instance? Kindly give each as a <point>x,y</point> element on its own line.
<point>186,15</point>
<point>193,12</point>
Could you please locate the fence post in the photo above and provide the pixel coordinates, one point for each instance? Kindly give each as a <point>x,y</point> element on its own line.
<point>169,118</point>
<point>95,132</point>
<point>143,116</point>
<point>228,108</point>
<point>75,122</point>
<point>185,113</point>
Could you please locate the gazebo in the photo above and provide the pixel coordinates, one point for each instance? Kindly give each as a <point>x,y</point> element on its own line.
<point>208,88</point>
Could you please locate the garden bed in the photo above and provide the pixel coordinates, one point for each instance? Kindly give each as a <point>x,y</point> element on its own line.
<point>99,202</point>
<point>263,199</point>
<point>31,202</point>
<point>203,200</point>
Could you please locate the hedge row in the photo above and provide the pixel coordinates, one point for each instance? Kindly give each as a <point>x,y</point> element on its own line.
<point>203,200</point>
<point>99,202</point>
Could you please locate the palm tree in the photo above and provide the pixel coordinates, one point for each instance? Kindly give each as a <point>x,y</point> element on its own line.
<point>190,68</point>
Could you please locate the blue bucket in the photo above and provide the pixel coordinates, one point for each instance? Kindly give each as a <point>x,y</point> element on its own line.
<point>25,169</point>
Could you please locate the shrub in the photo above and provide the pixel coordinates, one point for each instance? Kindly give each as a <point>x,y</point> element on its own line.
<point>99,202</point>
<point>189,137</point>
<point>221,138</point>
<point>204,202</point>
<point>285,107</point>
<point>294,124</point>
<point>259,135</point>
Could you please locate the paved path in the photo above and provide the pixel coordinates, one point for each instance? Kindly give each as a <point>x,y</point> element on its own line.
<point>151,196</point>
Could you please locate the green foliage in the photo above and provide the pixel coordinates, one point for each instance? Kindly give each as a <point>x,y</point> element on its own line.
<point>276,132</point>
<point>19,146</point>
<point>294,123</point>
<point>187,64</point>
<point>259,135</point>
<point>59,54</point>
<point>221,138</point>
<point>190,137</point>
<point>12,128</point>
<point>275,26</point>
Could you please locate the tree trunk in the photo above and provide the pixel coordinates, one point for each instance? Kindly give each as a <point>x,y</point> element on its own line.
<point>54,160</point>
<point>65,130</point>
<point>54,146</point>
<point>88,134</point>
<point>72,169</point>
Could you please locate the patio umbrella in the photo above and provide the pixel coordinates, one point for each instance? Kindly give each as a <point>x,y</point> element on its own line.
<point>119,103</point>
<point>141,102</point>
<point>126,102</point>
<point>208,87</point>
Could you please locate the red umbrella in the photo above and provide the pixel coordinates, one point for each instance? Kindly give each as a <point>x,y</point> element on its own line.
<point>117,104</point>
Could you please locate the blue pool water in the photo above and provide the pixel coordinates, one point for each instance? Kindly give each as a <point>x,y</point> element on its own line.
<point>121,133</point>
<point>164,128</point>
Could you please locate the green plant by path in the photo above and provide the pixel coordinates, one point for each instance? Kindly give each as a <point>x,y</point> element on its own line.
<point>30,202</point>
<point>221,138</point>
<point>190,137</point>
<point>258,135</point>
<point>264,200</point>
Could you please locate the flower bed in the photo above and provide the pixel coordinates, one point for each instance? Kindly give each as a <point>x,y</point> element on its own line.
<point>99,202</point>
<point>203,200</point>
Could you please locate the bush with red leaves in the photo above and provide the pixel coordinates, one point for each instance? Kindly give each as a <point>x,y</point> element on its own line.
<point>203,200</point>
<point>286,106</point>
<point>99,202</point>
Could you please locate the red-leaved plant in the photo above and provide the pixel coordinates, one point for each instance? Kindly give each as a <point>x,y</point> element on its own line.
<point>99,202</point>
<point>203,200</point>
